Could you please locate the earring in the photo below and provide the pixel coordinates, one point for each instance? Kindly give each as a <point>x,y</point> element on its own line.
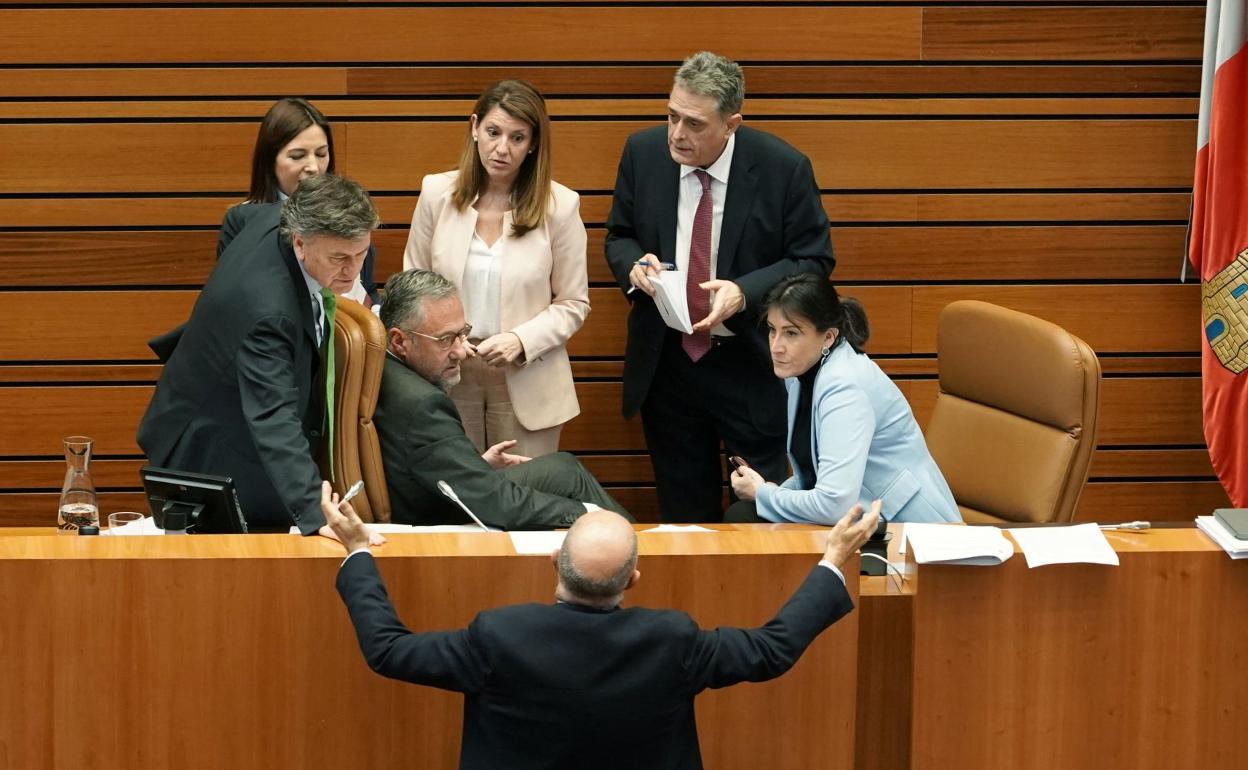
<point>824,351</point>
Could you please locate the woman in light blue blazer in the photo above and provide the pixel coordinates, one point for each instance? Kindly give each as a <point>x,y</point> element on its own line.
<point>852,436</point>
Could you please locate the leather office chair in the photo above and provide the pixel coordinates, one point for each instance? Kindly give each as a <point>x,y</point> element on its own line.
<point>359,356</point>
<point>1014,425</point>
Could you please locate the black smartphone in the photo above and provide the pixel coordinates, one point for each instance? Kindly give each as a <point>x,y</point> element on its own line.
<point>737,462</point>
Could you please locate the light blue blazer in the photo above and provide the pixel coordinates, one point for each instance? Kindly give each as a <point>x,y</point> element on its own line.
<point>866,445</point>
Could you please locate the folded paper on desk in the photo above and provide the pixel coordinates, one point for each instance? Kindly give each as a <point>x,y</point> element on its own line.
<point>387,528</point>
<point>1217,532</point>
<point>956,544</point>
<point>678,528</point>
<point>1080,544</point>
<point>540,543</point>
<point>671,300</point>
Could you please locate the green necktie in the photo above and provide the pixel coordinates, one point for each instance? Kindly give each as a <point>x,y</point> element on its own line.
<point>328,342</point>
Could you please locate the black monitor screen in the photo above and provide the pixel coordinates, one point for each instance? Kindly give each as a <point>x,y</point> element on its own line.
<point>207,504</point>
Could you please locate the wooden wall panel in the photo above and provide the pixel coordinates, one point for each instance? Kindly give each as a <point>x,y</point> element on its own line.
<point>1110,318</point>
<point>1031,34</point>
<point>847,154</point>
<point>572,79</point>
<point>561,34</point>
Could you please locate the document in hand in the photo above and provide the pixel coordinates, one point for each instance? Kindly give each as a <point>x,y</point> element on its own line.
<point>1218,533</point>
<point>670,298</point>
<point>1078,544</point>
<point>957,544</point>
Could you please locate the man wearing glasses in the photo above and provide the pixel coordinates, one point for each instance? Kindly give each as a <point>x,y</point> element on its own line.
<point>423,440</point>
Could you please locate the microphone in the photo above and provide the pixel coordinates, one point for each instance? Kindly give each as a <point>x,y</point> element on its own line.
<point>445,489</point>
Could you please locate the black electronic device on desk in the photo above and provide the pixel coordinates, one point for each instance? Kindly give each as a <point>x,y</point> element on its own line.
<point>194,502</point>
<point>877,544</point>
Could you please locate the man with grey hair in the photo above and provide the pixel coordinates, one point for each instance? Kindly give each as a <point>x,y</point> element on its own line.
<point>735,210</point>
<point>422,436</point>
<point>244,393</point>
<point>582,683</point>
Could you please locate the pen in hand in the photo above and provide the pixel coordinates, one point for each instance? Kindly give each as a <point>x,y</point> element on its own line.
<point>662,266</point>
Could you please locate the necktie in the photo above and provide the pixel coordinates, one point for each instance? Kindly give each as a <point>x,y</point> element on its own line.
<point>327,343</point>
<point>699,299</point>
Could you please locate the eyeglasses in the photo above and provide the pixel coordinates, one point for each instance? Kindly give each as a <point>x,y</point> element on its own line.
<point>445,341</point>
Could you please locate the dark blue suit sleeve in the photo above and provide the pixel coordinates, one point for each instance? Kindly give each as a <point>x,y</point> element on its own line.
<point>726,656</point>
<point>807,246</point>
<point>448,660</point>
<point>622,246</point>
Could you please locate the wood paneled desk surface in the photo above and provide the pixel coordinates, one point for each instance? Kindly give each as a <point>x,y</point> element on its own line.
<point>204,652</point>
<point>235,651</point>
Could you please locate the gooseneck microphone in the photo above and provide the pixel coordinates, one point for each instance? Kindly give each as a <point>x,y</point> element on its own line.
<point>445,489</point>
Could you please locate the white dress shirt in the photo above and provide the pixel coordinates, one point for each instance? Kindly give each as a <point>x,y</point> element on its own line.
<point>687,207</point>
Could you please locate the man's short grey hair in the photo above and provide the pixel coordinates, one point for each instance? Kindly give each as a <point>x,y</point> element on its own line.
<point>722,79</point>
<point>328,204</point>
<point>406,292</point>
<point>603,593</point>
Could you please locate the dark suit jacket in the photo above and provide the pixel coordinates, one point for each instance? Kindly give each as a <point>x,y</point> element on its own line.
<point>237,217</point>
<point>773,225</point>
<point>423,441</point>
<point>241,394</point>
<point>569,687</point>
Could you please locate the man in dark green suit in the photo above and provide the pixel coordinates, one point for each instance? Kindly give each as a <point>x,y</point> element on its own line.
<point>423,440</point>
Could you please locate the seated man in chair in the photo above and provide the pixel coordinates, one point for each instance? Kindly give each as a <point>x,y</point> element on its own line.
<point>422,437</point>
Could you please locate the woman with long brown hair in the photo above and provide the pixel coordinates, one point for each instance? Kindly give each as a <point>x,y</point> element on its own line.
<point>511,239</point>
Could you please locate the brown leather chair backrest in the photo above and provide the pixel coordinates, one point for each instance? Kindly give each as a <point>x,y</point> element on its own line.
<point>1014,425</point>
<point>359,357</point>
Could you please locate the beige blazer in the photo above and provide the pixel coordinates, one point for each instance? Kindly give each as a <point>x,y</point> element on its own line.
<point>545,289</point>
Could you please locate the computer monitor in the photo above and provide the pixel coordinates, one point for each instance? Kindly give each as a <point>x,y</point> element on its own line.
<point>207,504</point>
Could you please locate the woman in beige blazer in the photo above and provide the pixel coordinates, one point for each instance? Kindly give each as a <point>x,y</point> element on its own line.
<point>512,240</point>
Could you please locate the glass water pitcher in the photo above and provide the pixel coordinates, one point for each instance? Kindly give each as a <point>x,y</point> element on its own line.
<point>79,506</point>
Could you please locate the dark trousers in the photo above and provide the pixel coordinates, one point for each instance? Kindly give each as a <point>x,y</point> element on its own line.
<point>730,397</point>
<point>562,474</point>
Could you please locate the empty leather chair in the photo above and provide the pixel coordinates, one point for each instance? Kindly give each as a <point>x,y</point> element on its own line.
<point>359,356</point>
<point>1014,425</point>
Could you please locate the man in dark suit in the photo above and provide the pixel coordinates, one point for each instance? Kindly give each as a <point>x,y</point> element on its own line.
<point>243,393</point>
<point>583,683</point>
<point>422,436</point>
<point>736,210</point>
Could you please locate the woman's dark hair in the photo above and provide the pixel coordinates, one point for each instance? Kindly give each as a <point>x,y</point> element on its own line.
<point>811,297</point>
<point>285,120</point>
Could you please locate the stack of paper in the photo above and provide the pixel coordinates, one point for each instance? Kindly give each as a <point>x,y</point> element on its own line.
<point>1218,533</point>
<point>671,300</point>
<point>955,544</point>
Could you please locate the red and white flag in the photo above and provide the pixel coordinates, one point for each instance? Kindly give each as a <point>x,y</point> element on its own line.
<point>1218,242</point>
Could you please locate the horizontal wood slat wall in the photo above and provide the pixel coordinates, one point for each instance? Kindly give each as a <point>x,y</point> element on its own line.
<point>1035,156</point>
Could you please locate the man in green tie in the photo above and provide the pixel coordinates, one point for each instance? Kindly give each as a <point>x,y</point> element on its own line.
<point>248,389</point>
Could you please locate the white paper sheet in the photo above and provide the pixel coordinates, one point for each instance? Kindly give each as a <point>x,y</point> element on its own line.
<point>958,544</point>
<point>671,300</point>
<point>542,543</point>
<point>386,528</point>
<point>1080,544</point>
<point>1234,547</point>
<point>677,528</point>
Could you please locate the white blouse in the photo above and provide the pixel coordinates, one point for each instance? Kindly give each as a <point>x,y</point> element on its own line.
<point>483,286</point>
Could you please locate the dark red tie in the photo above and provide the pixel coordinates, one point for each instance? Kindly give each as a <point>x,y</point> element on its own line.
<point>699,299</point>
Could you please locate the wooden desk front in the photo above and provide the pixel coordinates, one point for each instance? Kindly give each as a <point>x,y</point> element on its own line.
<point>235,651</point>
<point>1066,666</point>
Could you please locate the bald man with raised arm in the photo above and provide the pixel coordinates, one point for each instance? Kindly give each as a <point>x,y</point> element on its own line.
<point>583,683</point>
